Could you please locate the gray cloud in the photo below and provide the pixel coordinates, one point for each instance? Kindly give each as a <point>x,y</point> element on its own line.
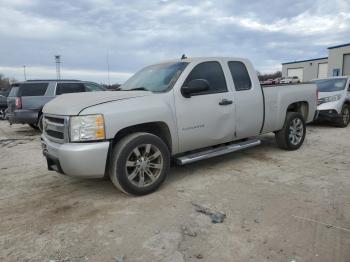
<point>136,33</point>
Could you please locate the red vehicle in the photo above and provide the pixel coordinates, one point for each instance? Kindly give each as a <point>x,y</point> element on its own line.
<point>268,82</point>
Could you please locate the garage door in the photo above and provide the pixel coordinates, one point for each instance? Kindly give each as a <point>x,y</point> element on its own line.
<point>295,72</point>
<point>346,65</point>
<point>322,70</point>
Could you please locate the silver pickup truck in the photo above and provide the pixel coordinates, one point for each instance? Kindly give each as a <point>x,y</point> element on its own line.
<point>183,110</point>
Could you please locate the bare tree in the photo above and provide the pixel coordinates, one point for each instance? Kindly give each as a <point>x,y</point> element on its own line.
<point>4,82</point>
<point>263,77</point>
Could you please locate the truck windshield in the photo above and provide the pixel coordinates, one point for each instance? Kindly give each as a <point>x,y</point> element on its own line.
<point>331,85</point>
<point>155,78</point>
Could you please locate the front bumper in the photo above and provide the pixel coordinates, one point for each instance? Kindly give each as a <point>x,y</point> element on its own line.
<point>23,117</point>
<point>328,115</point>
<point>76,159</point>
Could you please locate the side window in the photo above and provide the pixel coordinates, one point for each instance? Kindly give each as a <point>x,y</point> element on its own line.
<point>14,91</point>
<point>240,75</point>
<point>33,89</point>
<point>212,72</point>
<point>91,87</point>
<point>65,88</point>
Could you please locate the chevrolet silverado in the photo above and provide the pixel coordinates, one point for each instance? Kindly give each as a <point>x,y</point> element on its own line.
<point>184,110</point>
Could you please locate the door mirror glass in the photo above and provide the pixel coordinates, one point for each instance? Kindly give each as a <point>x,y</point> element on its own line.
<point>194,86</point>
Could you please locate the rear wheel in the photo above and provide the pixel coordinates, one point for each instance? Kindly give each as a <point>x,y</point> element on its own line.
<point>34,126</point>
<point>292,135</point>
<point>139,164</point>
<point>344,119</point>
<point>2,114</point>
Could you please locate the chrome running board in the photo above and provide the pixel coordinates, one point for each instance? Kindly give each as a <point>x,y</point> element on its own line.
<point>217,151</point>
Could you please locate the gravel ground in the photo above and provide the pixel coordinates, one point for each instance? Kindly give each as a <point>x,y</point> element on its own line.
<point>279,206</point>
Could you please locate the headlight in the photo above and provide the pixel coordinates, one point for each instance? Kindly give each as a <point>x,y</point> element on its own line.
<point>329,99</point>
<point>87,128</point>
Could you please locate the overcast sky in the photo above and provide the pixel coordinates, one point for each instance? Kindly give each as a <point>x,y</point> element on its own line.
<point>138,33</point>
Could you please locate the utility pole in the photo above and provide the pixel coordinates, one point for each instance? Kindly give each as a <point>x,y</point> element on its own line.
<point>109,82</point>
<point>24,72</point>
<point>58,66</point>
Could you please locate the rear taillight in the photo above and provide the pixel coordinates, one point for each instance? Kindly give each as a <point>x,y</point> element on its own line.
<point>18,103</point>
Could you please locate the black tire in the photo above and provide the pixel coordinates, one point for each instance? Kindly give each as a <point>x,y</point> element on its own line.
<point>34,126</point>
<point>289,139</point>
<point>344,118</point>
<point>122,153</point>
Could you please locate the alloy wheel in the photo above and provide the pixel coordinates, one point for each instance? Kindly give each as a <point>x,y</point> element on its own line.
<point>296,131</point>
<point>144,165</point>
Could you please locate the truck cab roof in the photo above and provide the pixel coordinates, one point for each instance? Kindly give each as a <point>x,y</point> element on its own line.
<point>207,58</point>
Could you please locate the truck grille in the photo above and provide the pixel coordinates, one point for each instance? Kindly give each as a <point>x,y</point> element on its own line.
<point>56,128</point>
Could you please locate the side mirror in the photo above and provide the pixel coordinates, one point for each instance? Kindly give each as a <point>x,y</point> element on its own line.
<point>2,96</point>
<point>194,86</point>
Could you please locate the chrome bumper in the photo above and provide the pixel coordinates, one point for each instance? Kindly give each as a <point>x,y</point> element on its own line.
<point>76,159</point>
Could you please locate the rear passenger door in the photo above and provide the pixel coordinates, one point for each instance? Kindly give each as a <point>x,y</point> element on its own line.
<point>66,88</point>
<point>204,119</point>
<point>248,100</point>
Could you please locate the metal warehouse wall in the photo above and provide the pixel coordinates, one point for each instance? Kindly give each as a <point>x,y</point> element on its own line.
<point>310,68</point>
<point>336,58</point>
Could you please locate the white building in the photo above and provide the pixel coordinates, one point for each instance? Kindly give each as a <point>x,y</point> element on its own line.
<point>336,64</point>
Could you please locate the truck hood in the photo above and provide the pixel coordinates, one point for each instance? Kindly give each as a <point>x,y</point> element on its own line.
<point>73,104</point>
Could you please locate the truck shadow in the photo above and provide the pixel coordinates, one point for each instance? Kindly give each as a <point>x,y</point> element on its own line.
<point>259,153</point>
<point>97,187</point>
<point>323,124</point>
<point>19,130</point>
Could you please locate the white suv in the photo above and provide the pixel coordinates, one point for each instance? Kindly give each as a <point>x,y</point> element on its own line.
<point>290,80</point>
<point>334,100</point>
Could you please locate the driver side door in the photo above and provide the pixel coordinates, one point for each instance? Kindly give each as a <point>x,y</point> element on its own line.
<point>206,118</point>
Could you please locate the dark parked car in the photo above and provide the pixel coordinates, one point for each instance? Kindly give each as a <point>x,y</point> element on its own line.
<point>27,99</point>
<point>3,103</point>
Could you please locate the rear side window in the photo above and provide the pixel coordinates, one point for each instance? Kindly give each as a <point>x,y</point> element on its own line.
<point>212,72</point>
<point>240,75</point>
<point>92,87</point>
<point>13,91</point>
<point>32,89</point>
<point>65,88</point>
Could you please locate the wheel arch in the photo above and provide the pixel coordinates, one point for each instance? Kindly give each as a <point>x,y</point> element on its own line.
<point>301,107</point>
<point>158,128</point>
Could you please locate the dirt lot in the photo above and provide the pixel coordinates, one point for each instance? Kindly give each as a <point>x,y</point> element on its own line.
<point>280,206</point>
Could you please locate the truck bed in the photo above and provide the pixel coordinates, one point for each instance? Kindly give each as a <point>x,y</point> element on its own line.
<point>279,97</point>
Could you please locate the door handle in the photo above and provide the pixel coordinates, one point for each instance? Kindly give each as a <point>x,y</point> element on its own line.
<point>225,102</point>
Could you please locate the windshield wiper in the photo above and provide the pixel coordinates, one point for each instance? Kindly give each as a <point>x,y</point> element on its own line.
<point>136,89</point>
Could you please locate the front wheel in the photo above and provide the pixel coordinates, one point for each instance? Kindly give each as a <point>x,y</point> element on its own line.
<point>292,135</point>
<point>139,163</point>
<point>344,119</point>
